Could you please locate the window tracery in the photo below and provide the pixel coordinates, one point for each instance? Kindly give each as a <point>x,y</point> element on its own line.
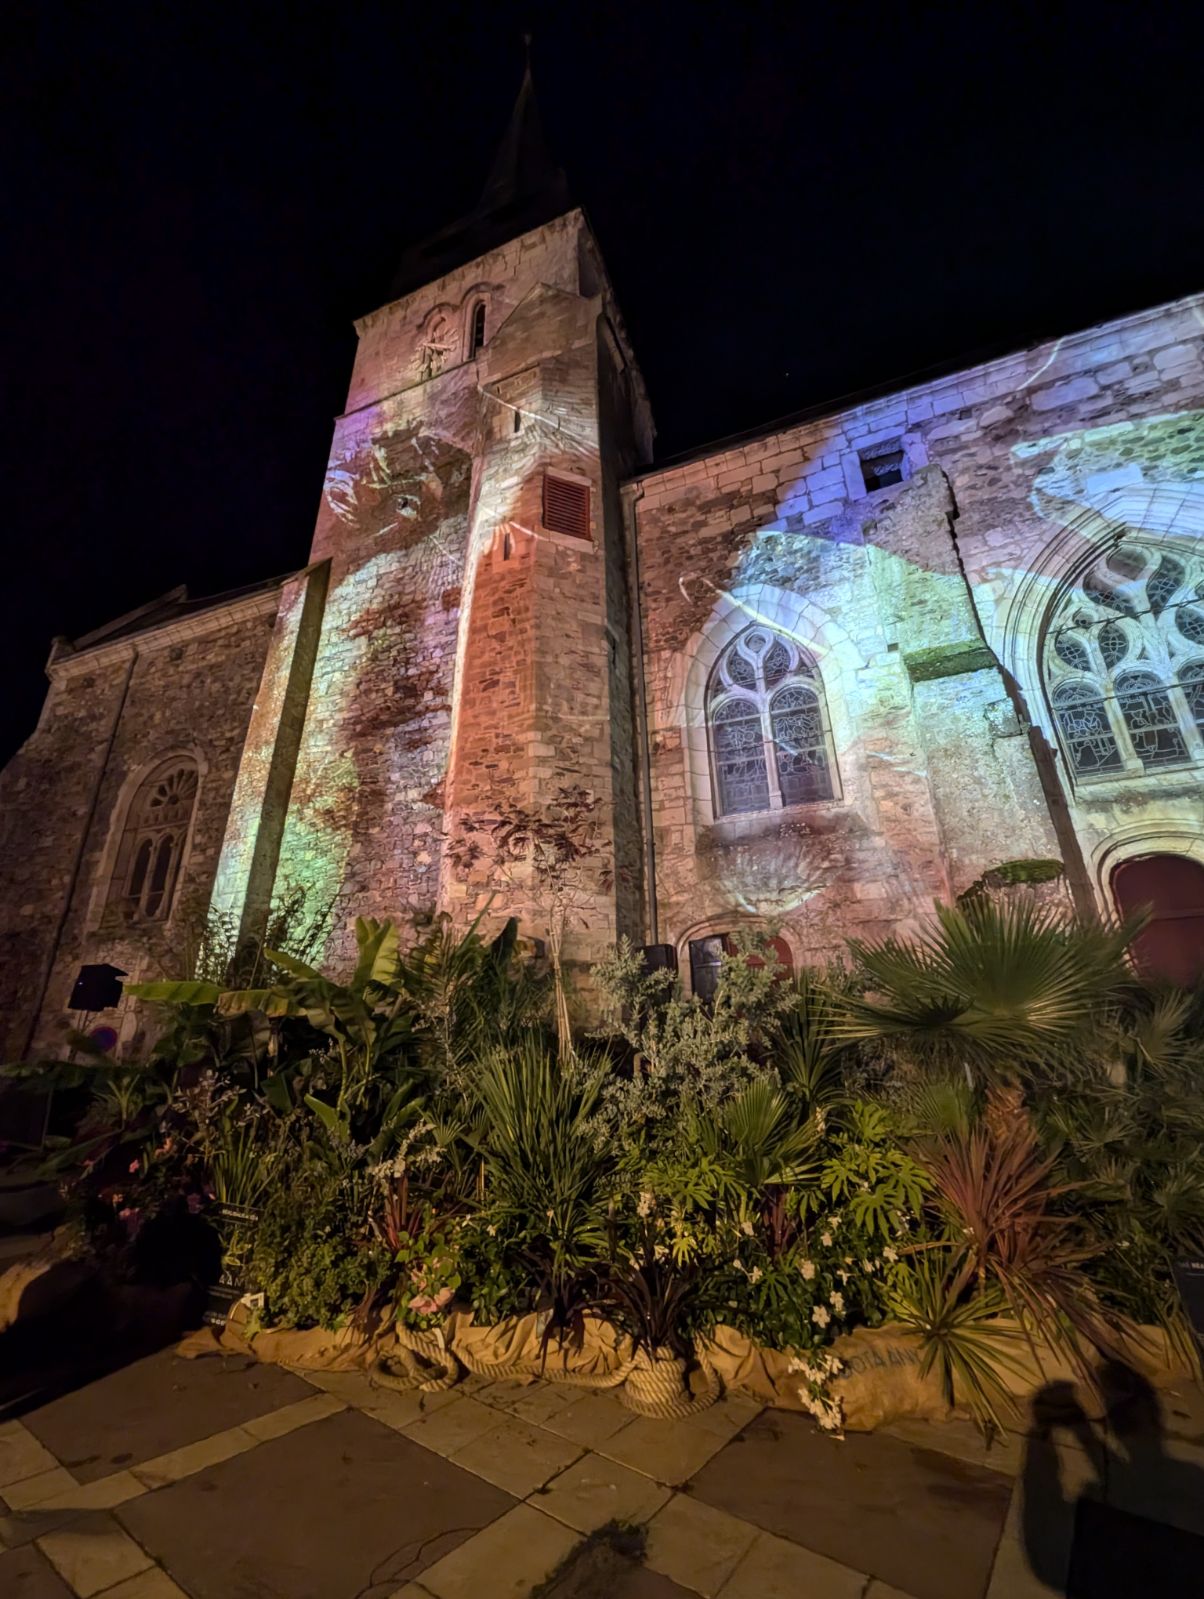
<point>1124,663</point>
<point>152,844</point>
<point>770,742</point>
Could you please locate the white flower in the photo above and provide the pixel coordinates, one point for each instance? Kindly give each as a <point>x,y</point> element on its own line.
<point>746,1227</point>
<point>890,1254</point>
<point>820,1316</point>
<point>843,1275</point>
<point>826,1240</point>
<point>867,1266</point>
<point>807,1267</point>
<point>755,1275</point>
<point>647,1201</point>
<point>837,1303</point>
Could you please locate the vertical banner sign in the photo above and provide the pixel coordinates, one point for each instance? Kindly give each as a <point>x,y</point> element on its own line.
<point>235,1226</point>
<point>1189,1278</point>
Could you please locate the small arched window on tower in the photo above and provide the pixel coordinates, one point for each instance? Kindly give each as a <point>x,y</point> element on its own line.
<point>152,844</point>
<point>476,330</point>
<point>770,742</point>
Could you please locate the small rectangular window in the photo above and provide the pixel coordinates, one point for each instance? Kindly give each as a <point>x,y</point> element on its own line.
<point>880,468</point>
<point>565,506</point>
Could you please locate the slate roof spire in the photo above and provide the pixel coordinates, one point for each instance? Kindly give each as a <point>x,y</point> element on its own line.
<point>523,167</point>
<point>525,188</point>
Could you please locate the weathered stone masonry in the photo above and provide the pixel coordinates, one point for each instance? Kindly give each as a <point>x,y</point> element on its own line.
<point>925,604</point>
<point>114,710</point>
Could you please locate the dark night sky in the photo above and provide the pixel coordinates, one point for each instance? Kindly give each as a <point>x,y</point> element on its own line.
<point>794,202</point>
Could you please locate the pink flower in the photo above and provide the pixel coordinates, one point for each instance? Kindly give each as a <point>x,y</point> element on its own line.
<point>134,1164</point>
<point>428,1305</point>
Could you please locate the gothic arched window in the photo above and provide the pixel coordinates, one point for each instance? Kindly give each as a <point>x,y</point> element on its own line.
<point>770,743</point>
<point>152,845</point>
<point>1124,662</point>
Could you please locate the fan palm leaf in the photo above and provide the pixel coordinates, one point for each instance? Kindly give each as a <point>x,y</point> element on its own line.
<point>998,984</point>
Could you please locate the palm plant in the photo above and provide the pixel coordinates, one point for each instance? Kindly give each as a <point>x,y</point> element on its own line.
<point>805,1042</point>
<point>962,1338</point>
<point>1007,988</point>
<point>995,1191</point>
<point>468,995</point>
<point>544,1169</point>
<point>743,1160</point>
<point>1125,1132</point>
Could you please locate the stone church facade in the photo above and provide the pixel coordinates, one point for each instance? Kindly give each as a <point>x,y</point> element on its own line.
<point>813,680</point>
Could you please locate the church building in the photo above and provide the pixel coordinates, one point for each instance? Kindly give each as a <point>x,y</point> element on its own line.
<point>812,680</point>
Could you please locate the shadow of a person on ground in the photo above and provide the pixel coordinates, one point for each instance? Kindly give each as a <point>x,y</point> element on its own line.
<point>1049,1505</point>
<point>1099,1520</point>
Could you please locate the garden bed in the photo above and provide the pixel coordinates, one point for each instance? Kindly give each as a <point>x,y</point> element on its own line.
<point>870,1193</point>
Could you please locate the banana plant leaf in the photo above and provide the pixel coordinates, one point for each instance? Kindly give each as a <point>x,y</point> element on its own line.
<point>176,992</point>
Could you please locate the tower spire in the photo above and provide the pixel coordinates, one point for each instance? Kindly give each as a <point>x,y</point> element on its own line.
<point>525,188</point>
<point>523,168</point>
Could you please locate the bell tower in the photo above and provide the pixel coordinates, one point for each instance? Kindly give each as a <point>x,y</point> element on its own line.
<point>458,654</point>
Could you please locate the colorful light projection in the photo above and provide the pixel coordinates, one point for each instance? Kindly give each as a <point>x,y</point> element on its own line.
<point>1130,493</point>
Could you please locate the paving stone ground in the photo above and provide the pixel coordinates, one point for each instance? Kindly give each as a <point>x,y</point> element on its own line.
<point>220,1478</point>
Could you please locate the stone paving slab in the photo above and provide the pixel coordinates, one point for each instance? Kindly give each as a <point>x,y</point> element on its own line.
<point>345,1508</point>
<point>155,1406</point>
<point>27,1574</point>
<point>919,1520</point>
<point>488,1491</point>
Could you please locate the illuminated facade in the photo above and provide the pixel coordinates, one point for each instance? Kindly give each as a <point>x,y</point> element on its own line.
<point>813,680</point>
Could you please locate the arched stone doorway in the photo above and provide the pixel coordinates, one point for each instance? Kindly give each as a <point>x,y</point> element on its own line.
<point>1171,887</point>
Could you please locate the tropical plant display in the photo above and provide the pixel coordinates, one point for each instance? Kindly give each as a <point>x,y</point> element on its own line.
<point>987,1134</point>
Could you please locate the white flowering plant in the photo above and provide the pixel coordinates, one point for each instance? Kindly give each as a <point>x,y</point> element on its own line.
<point>818,1368</point>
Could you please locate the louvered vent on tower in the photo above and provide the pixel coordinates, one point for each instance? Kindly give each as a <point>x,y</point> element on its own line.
<point>565,506</point>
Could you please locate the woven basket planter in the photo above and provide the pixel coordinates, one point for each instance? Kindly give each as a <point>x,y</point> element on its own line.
<point>656,1386</point>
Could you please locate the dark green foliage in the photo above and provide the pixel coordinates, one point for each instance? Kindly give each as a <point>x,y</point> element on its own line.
<point>315,1255</point>
<point>993,1118</point>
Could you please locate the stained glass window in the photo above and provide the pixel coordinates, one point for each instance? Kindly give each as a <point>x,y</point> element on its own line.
<point>1191,680</point>
<point>1150,718</point>
<point>801,745</point>
<point>1086,730</point>
<point>1113,643</point>
<point>1166,581</point>
<point>1123,696</point>
<point>1190,622</point>
<point>152,845</point>
<point>740,756</point>
<point>1073,651</point>
<point>770,744</point>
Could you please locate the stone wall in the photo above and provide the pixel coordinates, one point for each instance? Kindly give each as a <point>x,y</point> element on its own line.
<point>112,713</point>
<point>924,604</point>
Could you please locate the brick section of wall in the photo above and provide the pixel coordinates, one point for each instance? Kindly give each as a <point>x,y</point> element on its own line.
<point>1069,435</point>
<point>112,714</point>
